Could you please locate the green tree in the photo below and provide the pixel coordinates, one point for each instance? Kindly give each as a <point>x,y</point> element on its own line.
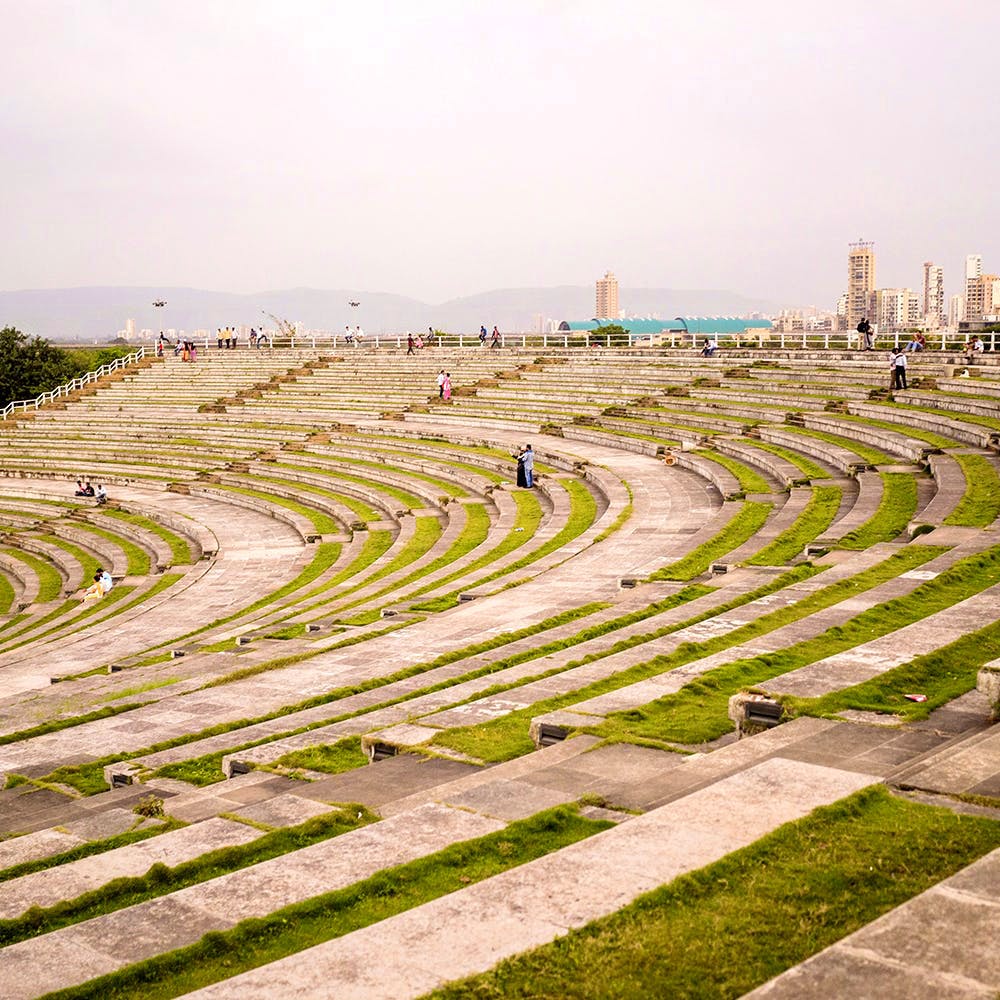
<point>30,366</point>
<point>619,336</point>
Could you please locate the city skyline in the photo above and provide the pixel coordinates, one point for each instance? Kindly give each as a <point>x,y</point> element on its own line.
<point>446,149</point>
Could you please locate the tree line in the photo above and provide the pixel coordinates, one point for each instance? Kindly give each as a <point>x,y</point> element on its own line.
<point>30,366</point>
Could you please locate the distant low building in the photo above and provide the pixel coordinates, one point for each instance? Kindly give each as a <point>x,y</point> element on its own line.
<point>683,328</point>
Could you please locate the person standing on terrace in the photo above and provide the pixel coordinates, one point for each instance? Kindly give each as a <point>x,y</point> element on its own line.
<point>898,368</point>
<point>525,467</point>
<point>865,331</point>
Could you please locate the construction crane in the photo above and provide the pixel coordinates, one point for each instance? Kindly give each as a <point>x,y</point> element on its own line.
<point>285,328</point>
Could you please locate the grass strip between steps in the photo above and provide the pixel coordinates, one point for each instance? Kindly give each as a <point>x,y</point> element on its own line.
<point>941,675</point>
<point>88,778</point>
<point>137,558</point>
<point>805,465</point>
<point>6,595</point>
<point>744,525</point>
<point>49,581</point>
<point>527,518</point>
<point>813,520</point>
<point>87,850</point>
<point>582,511</point>
<point>507,737</point>
<point>474,532</point>
<point>980,504</point>
<point>255,942</point>
<point>718,932</point>
<point>161,879</point>
<point>873,456</point>
<point>894,513</point>
<point>749,480</point>
<point>698,711</point>
<point>179,549</point>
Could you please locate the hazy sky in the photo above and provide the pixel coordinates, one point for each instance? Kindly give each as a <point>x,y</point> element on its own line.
<point>439,149</point>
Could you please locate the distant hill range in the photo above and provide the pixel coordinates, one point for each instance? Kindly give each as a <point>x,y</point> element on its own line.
<point>99,313</point>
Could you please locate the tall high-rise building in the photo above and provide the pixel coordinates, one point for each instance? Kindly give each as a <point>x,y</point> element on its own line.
<point>973,270</point>
<point>934,294</point>
<point>860,280</point>
<point>956,311</point>
<point>130,329</point>
<point>607,297</point>
<point>982,296</point>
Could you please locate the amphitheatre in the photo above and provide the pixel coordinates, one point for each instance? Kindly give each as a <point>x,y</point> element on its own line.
<point>708,711</point>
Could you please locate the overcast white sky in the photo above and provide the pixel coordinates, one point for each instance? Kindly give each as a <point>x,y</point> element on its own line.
<point>438,149</point>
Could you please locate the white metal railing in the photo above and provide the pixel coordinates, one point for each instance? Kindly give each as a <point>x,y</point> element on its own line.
<point>816,340</point>
<point>78,383</point>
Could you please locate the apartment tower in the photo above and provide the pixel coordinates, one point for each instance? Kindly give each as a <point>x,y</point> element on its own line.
<point>607,297</point>
<point>934,311</point>
<point>973,272</point>
<point>860,280</point>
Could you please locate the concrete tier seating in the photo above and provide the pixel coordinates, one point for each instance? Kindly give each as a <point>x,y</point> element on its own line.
<point>330,590</point>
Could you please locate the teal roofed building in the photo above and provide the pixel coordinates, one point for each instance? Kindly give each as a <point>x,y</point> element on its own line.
<point>686,326</point>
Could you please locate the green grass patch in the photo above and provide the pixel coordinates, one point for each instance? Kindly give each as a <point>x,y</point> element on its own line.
<point>721,931</point>
<point>980,504</point>
<point>743,526</point>
<point>288,632</point>
<point>138,563</point>
<point>139,689</point>
<point>815,518</point>
<point>749,480</point>
<point>252,943</point>
<point>894,513</point>
<point>526,521</point>
<point>805,465</point>
<point>180,551</point>
<point>335,758</point>
<point>6,595</point>
<point>873,456</point>
<point>50,583</point>
<point>362,618</point>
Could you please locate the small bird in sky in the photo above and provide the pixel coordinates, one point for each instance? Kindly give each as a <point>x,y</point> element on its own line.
<point>354,303</point>
<point>159,303</point>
